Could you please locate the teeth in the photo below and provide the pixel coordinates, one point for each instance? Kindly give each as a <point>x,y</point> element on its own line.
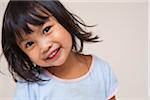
<point>53,54</point>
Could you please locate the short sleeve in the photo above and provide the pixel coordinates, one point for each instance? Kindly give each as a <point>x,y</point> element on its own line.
<point>111,82</point>
<point>23,92</point>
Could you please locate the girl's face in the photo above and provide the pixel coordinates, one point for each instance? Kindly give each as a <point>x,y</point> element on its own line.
<point>48,44</point>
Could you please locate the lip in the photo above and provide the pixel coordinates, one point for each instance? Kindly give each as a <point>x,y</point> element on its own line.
<point>57,50</point>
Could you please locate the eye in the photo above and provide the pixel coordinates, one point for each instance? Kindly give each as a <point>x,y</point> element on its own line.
<point>29,44</point>
<point>47,30</point>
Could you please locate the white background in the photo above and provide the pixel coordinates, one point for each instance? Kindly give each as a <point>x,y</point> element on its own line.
<point>123,27</point>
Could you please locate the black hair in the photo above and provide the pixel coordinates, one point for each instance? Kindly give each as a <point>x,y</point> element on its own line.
<point>18,14</point>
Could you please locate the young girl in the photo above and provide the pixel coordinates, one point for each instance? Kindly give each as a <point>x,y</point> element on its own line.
<point>40,42</point>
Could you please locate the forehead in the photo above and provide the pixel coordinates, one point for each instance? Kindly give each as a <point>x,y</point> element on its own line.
<point>27,22</point>
<point>35,29</point>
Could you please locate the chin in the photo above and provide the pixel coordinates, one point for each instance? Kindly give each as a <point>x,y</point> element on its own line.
<point>59,62</point>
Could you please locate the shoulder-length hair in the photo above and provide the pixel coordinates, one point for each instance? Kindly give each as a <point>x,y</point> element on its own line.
<point>18,14</point>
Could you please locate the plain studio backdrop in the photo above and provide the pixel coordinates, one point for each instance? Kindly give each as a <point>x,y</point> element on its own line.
<point>122,25</point>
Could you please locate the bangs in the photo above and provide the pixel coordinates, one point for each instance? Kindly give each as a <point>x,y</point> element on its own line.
<point>27,13</point>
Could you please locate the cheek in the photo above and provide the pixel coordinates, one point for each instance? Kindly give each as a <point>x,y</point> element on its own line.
<point>33,56</point>
<point>63,35</point>
<point>68,40</point>
<point>63,38</point>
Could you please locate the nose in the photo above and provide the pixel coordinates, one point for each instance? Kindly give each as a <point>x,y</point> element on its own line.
<point>45,45</point>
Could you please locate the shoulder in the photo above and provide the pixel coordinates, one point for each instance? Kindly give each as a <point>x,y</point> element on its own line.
<point>106,73</point>
<point>28,90</point>
<point>101,64</point>
<point>103,68</point>
<point>23,91</point>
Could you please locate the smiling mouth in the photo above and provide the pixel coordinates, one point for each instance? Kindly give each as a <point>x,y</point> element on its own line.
<point>53,54</point>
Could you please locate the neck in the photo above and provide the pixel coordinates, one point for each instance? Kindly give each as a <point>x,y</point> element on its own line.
<point>74,66</point>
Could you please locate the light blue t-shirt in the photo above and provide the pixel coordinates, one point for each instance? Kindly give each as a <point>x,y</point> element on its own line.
<point>99,83</point>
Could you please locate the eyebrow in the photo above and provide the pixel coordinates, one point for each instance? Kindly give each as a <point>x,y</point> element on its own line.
<point>48,20</point>
<point>43,26</point>
<point>22,40</point>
